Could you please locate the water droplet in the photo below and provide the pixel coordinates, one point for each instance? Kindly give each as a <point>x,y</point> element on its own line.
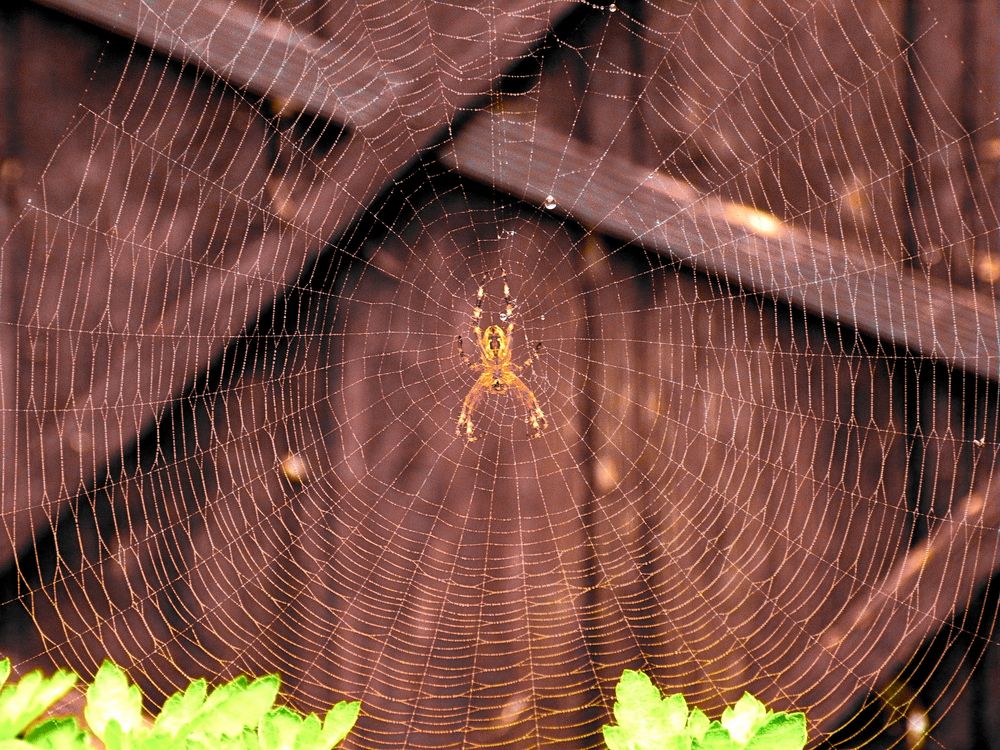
<point>612,8</point>
<point>543,317</point>
<point>550,202</point>
<point>503,316</point>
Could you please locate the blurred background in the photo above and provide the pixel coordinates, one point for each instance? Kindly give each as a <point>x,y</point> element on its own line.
<point>756,240</point>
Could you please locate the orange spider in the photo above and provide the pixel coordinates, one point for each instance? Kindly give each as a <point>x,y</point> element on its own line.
<point>498,371</point>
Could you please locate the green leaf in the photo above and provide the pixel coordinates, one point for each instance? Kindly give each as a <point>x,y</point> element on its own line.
<point>110,698</point>
<point>279,728</point>
<point>310,736</point>
<point>180,709</point>
<point>26,700</point>
<point>781,732</point>
<point>116,738</point>
<point>648,721</point>
<point>233,707</point>
<point>15,745</point>
<point>283,729</point>
<point>615,737</point>
<point>716,737</point>
<point>338,721</point>
<point>155,742</point>
<point>697,724</point>
<point>58,734</point>
<point>744,719</point>
<point>246,740</point>
<point>4,671</point>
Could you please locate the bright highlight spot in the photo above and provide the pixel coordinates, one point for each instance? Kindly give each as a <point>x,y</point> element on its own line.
<point>295,468</point>
<point>917,724</point>
<point>756,221</point>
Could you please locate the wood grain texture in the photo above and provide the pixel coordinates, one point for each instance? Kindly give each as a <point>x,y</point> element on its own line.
<point>333,78</point>
<point>796,110</point>
<point>873,640</point>
<point>139,369</point>
<point>952,210</point>
<point>952,108</point>
<point>860,139</point>
<point>740,243</point>
<point>877,311</point>
<point>724,541</point>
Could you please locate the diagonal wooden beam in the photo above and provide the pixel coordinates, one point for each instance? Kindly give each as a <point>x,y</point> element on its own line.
<point>332,78</point>
<point>870,642</point>
<point>389,133</point>
<point>919,313</point>
<point>751,248</point>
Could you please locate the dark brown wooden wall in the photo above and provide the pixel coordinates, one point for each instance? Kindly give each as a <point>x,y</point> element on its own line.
<point>706,445</point>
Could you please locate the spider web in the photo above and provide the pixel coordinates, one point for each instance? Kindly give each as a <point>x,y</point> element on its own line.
<point>742,485</point>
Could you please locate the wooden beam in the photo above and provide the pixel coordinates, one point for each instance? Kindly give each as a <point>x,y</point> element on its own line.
<point>130,393</point>
<point>333,78</point>
<point>633,203</point>
<point>756,250</point>
<point>871,641</point>
<point>337,79</point>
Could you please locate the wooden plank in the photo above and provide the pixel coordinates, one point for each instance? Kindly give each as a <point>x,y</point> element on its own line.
<point>747,246</point>
<point>868,644</point>
<point>333,78</point>
<point>743,104</point>
<point>128,394</point>
<point>754,249</point>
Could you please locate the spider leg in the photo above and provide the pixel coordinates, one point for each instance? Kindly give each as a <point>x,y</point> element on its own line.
<point>508,306</point>
<point>466,359</point>
<point>465,426</point>
<point>535,419</point>
<point>477,314</point>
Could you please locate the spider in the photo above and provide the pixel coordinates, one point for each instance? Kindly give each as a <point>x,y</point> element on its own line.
<point>497,368</point>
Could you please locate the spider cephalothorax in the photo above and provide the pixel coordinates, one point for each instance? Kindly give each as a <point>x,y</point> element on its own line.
<point>498,371</point>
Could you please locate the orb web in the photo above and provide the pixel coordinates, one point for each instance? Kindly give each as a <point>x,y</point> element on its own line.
<point>750,249</point>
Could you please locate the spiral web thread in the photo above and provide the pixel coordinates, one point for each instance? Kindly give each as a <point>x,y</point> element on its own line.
<point>722,475</point>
